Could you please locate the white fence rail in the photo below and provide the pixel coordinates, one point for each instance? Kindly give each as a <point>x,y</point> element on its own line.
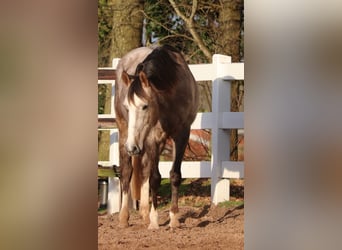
<point>220,120</point>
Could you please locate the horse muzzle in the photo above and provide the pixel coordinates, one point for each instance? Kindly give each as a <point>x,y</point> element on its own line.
<point>133,149</point>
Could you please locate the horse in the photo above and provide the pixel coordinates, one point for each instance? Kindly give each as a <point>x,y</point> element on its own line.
<point>156,98</point>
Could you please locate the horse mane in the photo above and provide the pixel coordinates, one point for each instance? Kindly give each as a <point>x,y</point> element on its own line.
<point>162,69</point>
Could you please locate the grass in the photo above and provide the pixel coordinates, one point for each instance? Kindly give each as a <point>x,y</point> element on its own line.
<point>231,204</point>
<point>196,193</point>
<point>102,211</point>
<point>185,187</point>
<point>192,192</point>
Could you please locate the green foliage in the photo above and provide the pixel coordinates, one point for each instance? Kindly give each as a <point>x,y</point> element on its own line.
<point>103,139</point>
<point>101,98</point>
<point>104,96</point>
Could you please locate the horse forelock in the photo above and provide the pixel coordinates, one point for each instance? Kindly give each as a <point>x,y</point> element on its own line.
<point>163,68</point>
<point>136,88</point>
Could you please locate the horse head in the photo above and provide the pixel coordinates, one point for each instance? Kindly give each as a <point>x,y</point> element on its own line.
<point>142,111</point>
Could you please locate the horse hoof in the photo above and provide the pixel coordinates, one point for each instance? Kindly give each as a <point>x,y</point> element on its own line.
<point>174,224</point>
<point>153,226</point>
<point>123,225</point>
<point>145,219</point>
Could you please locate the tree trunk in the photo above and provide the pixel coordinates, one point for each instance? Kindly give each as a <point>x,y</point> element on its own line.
<point>229,43</point>
<point>127,26</point>
<point>126,34</point>
<point>229,29</point>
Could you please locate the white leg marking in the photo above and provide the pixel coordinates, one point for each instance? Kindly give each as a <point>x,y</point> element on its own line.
<point>174,222</point>
<point>153,219</point>
<point>123,217</point>
<point>124,199</point>
<point>144,200</point>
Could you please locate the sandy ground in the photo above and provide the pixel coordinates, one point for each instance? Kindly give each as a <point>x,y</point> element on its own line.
<point>202,227</point>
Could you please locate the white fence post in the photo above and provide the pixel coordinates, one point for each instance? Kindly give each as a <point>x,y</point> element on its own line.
<point>114,195</point>
<point>114,187</point>
<point>220,137</point>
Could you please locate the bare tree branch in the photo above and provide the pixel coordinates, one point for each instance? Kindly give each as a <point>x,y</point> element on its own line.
<point>189,22</point>
<point>175,7</point>
<point>193,10</point>
<point>175,34</point>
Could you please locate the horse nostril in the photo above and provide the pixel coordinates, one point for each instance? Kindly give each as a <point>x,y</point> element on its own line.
<point>133,150</point>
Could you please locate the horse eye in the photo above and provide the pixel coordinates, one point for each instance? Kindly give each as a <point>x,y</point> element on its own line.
<point>144,107</point>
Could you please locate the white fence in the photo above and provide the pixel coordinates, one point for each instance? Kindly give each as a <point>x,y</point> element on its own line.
<point>220,120</point>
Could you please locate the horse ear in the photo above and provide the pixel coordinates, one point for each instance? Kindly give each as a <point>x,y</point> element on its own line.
<point>125,78</point>
<point>143,79</point>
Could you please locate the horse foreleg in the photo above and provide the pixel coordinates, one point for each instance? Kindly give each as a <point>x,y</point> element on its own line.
<point>179,145</point>
<point>153,218</point>
<point>155,184</point>
<point>126,173</point>
<point>175,177</point>
<point>124,214</point>
<point>144,200</point>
